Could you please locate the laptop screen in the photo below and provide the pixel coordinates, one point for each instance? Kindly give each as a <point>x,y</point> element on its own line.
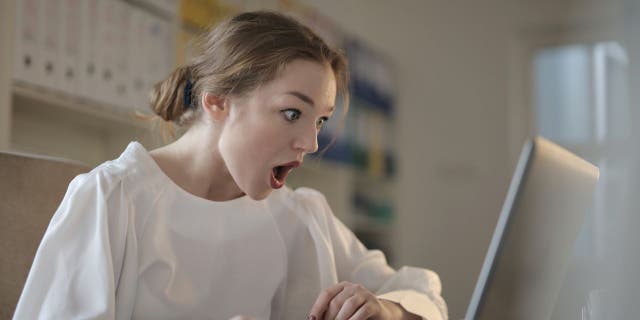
<point>532,244</point>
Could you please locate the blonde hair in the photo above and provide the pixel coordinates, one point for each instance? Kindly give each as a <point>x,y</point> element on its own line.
<point>237,56</point>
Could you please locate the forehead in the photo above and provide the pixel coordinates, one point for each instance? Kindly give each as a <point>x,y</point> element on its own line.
<point>310,78</point>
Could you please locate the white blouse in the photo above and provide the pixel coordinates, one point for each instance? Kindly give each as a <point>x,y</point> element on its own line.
<point>128,243</point>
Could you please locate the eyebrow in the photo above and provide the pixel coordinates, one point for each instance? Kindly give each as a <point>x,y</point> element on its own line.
<point>302,97</point>
<point>305,98</point>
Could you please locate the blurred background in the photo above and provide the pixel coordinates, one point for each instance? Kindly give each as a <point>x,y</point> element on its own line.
<point>444,94</point>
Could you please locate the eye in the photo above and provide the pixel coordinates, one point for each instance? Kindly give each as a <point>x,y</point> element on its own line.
<point>291,114</point>
<point>321,122</point>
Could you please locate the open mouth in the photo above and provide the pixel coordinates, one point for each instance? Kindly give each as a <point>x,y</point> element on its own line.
<point>279,174</point>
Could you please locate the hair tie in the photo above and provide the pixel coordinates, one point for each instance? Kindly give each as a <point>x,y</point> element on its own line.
<point>188,87</point>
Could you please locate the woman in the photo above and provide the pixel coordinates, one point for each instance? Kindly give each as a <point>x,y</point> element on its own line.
<point>203,228</point>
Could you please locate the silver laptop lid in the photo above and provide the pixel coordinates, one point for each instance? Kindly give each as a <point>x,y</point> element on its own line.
<point>531,247</point>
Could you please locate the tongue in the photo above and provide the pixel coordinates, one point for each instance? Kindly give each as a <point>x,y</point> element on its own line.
<point>277,180</point>
<point>281,173</point>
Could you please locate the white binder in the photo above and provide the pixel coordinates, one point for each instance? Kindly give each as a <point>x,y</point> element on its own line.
<point>159,52</point>
<point>172,7</point>
<point>50,29</point>
<point>122,33</point>
<point>88,77</point>
<point>71,45</point>
<point>168,7</point>
<point>26,58</point>
<point>166,49</point>
<point>137,60</point>
<point>106,52</point>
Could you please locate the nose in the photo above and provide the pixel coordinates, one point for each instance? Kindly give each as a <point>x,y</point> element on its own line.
<point>306,141</point>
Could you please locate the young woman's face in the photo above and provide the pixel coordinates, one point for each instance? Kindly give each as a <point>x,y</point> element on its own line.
<point>268,132</point>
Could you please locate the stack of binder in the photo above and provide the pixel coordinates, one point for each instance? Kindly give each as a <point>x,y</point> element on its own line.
<point>107,51</point>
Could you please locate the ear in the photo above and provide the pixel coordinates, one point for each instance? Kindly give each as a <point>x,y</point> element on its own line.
<point>216,107</point>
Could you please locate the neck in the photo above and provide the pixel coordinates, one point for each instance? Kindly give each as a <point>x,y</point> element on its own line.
<point>193,162</point>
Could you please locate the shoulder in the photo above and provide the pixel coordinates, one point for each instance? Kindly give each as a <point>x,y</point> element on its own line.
<point>312,196</point>
<point>306,203</point>
<point>300,198</point>
<point>128,171</point>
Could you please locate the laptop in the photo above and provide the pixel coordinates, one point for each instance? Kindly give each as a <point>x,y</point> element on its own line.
<point>543,213</point>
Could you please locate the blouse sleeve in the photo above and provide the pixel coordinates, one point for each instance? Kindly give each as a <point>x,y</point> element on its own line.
<point>76,268</point>
<point>417,290</point>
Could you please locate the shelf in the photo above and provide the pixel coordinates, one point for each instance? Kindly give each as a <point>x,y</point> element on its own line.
<point>47,101</point>
<point>148,6</point>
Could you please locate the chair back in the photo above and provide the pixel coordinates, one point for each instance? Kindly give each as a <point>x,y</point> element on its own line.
<point>31,189</point>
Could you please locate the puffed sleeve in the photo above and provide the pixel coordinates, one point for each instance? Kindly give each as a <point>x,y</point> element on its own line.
<point>76,268</point>
<point>417,290</point>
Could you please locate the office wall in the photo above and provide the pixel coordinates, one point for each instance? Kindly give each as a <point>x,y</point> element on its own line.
<point>462,115</point>
<point>451,139</point>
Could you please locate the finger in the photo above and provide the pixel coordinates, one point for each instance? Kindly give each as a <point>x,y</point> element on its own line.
<point>336,303</point>
<point>350,307</point>
<point>323,299</point>
<point>364,312</point>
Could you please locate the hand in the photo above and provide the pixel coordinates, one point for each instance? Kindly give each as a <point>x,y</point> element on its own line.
<point>346,300</point>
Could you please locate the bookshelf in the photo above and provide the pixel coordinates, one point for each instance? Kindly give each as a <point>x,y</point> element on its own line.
<point>48,119</point>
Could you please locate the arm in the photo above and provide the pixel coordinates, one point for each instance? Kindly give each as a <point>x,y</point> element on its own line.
<point>396,311</point>
<point>73,274</point>
<point>416,290</point>
<point>347,300</point>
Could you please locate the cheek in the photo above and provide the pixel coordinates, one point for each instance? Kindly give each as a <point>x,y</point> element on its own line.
<point>265,133</point>
<point>250,147</point>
